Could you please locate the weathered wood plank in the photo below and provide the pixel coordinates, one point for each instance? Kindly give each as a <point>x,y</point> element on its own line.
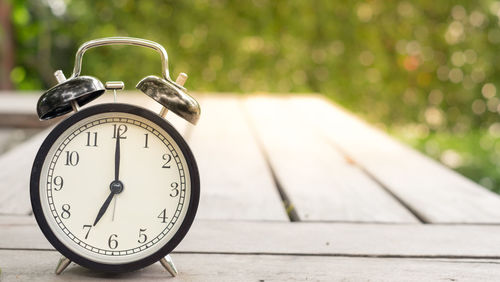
<point>16,164</point>
<point>18,109</point>
<point>5,139</point>
<point>11,137</point>
<point>15,170</point>
<point>227,157</point>
<point>235,182</point>
<point>39,266</point>
<point>319,181</point>
<point>307,238</point>
<point>436,193</point>
<point>19,101</point>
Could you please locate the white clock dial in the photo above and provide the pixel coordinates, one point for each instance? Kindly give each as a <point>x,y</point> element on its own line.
<point>105,225</point>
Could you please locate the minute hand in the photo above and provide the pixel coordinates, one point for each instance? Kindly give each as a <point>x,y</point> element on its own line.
<point>117,155</point>
<point>116,186</point>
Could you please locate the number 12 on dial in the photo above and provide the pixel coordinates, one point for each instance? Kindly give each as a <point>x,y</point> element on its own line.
<point>114,187</point>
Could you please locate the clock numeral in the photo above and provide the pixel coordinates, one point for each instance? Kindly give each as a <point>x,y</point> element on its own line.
<point>168,158</point>
<point>91,139</point>
<point>88,231</point>
<point>163,216</point>
<point>58,183</point>
<point>146,140</point>
<point>142,237</point>
<point>72,158</point>
<point>65,211</point>
<point>175,189</point>
<point>112,243</point>
<point>120,131</point>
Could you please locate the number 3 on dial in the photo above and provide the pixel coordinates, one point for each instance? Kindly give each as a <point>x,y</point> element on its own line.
<point>114,185</point>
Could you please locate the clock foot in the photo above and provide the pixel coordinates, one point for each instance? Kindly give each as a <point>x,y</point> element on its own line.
<point>169,265</point>
<point>62,264</point>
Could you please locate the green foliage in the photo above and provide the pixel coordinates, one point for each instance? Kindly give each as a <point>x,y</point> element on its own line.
<point>475,153</point>
<point>433,64</point>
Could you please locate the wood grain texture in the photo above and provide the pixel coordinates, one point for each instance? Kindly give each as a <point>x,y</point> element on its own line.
<point>16,164</point>
<point>39,266</point>
<point>19,102</point>
<point>321,184</point>
<point>235,181</point>
<point>436,193</point>
<point>15,170</point>
<point>241,232</point>
<point>304,238</point>
<point>18,109</point>
<point>11,137</point>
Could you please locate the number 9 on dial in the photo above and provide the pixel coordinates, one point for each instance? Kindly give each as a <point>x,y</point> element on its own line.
<point>114,187</point>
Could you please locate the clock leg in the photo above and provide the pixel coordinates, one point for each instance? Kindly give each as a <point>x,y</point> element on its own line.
<point>62,264</point>
<point>169,265</point>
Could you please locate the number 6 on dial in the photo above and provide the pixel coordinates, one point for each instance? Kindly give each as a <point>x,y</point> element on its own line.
<point>115,187</point>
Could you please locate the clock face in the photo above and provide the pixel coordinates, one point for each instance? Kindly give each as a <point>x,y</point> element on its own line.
<point>113,186</point>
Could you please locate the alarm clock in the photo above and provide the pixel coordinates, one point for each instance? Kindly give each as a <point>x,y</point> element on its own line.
<point>114,187</point>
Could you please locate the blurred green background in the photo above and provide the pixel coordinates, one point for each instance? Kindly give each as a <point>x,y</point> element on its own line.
<point>424,71</point>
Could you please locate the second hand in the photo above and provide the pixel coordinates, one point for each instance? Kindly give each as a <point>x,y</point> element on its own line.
<point>114,208</point>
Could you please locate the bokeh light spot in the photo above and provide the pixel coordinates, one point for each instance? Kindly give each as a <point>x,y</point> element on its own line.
<point>435,97</point>
<point>456,75</point>
<point>478,107</point>
<point>458,12</point>
<point>451,158</point>
<point>489,90</point>
<point>458,59</point>
<point>366,58</point>
<point>364,12</point>
<point>17,74</point>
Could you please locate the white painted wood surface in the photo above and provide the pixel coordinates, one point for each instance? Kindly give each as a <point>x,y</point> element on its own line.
<point>16,102</point>
<point>15,165</point>
<point>359,214</point>
<point>305,238</point>
<point>236,183</point>
<point>38,266</point>
<point>436,193</point>
<point>12,137</point>
<point>15,169</point>
<point>321,184</point>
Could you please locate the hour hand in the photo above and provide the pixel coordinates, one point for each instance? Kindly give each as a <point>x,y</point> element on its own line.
<point>104,207</point>
<point>116,187</point>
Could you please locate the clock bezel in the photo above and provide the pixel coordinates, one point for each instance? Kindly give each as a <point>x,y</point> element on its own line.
<point>49,143</point>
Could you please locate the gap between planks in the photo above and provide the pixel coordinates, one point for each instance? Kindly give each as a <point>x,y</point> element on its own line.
<point>318,181</point>
<point>305,238</point>
<point>287,203</point>
<point>236,183</point>
<point>491,259</point>
<point>436,193</point>
<point>216,267</point>
<point>414,212</point>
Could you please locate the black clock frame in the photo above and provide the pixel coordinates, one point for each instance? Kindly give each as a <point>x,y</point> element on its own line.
<point>35,188</point>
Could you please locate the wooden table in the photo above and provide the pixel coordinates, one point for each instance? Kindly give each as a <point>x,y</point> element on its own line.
<point>293,188</point>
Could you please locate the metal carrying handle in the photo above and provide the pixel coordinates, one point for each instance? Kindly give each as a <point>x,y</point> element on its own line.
<point>121,41</point>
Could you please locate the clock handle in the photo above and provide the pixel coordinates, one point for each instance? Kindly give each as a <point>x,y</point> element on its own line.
<point>121,41</point>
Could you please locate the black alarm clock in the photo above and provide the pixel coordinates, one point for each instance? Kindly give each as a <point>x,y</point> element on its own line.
<point>114,187</point>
